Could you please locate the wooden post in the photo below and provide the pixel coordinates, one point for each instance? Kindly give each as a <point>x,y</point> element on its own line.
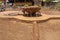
<point>35,31</point>
<point>14,1</point>
<point>5,3</point>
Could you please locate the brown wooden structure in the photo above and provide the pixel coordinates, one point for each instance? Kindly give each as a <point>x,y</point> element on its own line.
<point>31,10</point>
<point>22,2</point>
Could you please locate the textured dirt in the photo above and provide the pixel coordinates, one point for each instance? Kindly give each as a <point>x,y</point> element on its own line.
<point>51,12</point>
<point>49,30</point>
<point>13,29</point>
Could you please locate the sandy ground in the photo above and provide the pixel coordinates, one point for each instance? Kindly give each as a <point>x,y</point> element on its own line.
<point>12,29</point>
<point>51,12</point>
<point>48,12</point>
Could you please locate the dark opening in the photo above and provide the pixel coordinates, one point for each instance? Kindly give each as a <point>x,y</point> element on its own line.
<point>20,0</point>
<point>11,1</point>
